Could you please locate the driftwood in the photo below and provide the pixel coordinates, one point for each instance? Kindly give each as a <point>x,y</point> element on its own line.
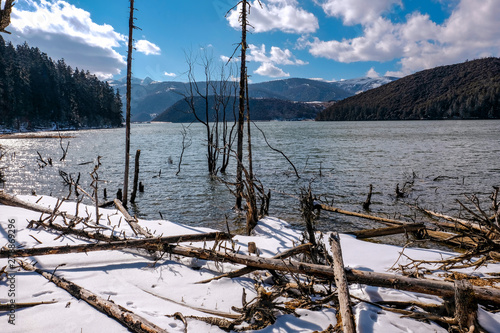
<point>11,200</point>
<point>465,306</point>
<point>247,270</point>
<point>76,232</point>
<point>8,306</point>
<point>364,216</point>
<point>153,244</point>
<point>127,318</point>
<point>131,220</point>
<point>342,288</point>
<point>426,286</point>
<point>369,233</point>
<point>457,223</point>
<point>439,236</point>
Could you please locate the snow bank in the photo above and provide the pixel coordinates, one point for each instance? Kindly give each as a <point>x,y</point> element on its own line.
<point>155,290</point>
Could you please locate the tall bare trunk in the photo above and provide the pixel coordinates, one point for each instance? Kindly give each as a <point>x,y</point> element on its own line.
<point>129,94</point>
<point>241,114</point>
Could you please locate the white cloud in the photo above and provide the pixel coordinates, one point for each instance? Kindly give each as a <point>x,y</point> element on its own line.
<point>147,47</point>
<point>276,56</point>
<point>357,11</point>
<point>226,59</point>
<point>470,32</point>
<point>64,31</point>
<point>372,73</point>
<point>380,42</point>
<point>170,74</point>
<point>268,69</point>
<point>283,15</point>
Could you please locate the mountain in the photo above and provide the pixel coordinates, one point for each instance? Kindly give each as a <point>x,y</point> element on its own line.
<point>300,90</point>
<point>262,109</point>
<point>359,85</point>
<point>150,98</point>
<point>461,91</point>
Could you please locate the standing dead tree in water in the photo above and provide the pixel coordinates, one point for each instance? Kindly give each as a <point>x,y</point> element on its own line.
<point>209,102</point>
<point>95,186</point>
<point>186,143</point>
<point>5,15</point>
<point>244,113</point>
<point>131,27</point>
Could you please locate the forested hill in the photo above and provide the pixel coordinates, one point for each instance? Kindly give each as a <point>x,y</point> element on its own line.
<point>36,91</point>
<point>468,90</point>
<point>261,109</point>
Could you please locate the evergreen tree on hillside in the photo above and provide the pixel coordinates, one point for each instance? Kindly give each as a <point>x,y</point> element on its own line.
<point>37,91</point>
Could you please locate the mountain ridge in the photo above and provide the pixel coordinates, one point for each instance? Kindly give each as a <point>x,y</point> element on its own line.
<point>461,91</point>
<point>151,98</point>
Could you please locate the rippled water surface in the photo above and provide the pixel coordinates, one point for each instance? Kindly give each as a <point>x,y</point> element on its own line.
<point>443,159</point>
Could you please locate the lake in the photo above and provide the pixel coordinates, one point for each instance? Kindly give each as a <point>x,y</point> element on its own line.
<point>442,159</point>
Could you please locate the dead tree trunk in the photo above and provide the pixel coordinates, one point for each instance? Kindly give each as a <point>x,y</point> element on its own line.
<point>367,203</point>
<point>241,110</point>
<point>342,288</point>
<point>127,318</point>
<point>425,286</point>
<point>11,200</point>
<point>138,230</point>
<point>369,233</point>
<point>136,176</point>
<point>153,244</point>
<point>131,27</point>
<point>465,306</point>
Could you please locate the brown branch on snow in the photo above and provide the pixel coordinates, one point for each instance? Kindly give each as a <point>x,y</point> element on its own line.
<point>8,306</point>
<point>127,318</point>
<point>427,286</point>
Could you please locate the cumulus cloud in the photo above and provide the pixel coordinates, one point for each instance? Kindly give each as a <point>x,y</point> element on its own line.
<point>64,31</point>
<point>147,47</point>
<point>170,74</point>
<point>470,32</point>
<point>372,73</point>
<point>268,69</point>
<point>268,61</point>
<point>283,15</point>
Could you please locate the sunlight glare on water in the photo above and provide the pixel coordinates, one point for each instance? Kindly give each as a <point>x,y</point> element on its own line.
<point>444,159</point>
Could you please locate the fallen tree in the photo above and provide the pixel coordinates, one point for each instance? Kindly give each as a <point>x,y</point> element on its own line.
<point>151,244</point>
<point>127,318</point>
<point>425,286</point>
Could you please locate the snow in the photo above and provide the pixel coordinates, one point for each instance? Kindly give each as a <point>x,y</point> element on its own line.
<point>156,290</point>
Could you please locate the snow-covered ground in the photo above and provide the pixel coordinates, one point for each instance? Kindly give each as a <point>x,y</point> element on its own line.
<point>133,280</point>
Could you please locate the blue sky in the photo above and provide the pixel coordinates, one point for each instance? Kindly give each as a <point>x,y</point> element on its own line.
<point>321,39</point>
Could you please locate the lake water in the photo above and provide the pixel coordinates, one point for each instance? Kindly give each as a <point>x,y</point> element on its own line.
<point>444,159</point>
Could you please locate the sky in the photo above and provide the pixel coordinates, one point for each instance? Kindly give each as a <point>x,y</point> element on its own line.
<point>329,40</point>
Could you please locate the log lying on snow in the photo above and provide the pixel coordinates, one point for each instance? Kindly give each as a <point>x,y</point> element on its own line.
<point>12,200</point>
<point>425,286</point>
<point>438,236</point>
<point>342,287</point>
<point>127,318</point>
<point>247,270</point>
<point>131,220</point>
<point>153,244</point>
<point>18,306</point>
<point>364,216</point>
<point>368,233</point>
